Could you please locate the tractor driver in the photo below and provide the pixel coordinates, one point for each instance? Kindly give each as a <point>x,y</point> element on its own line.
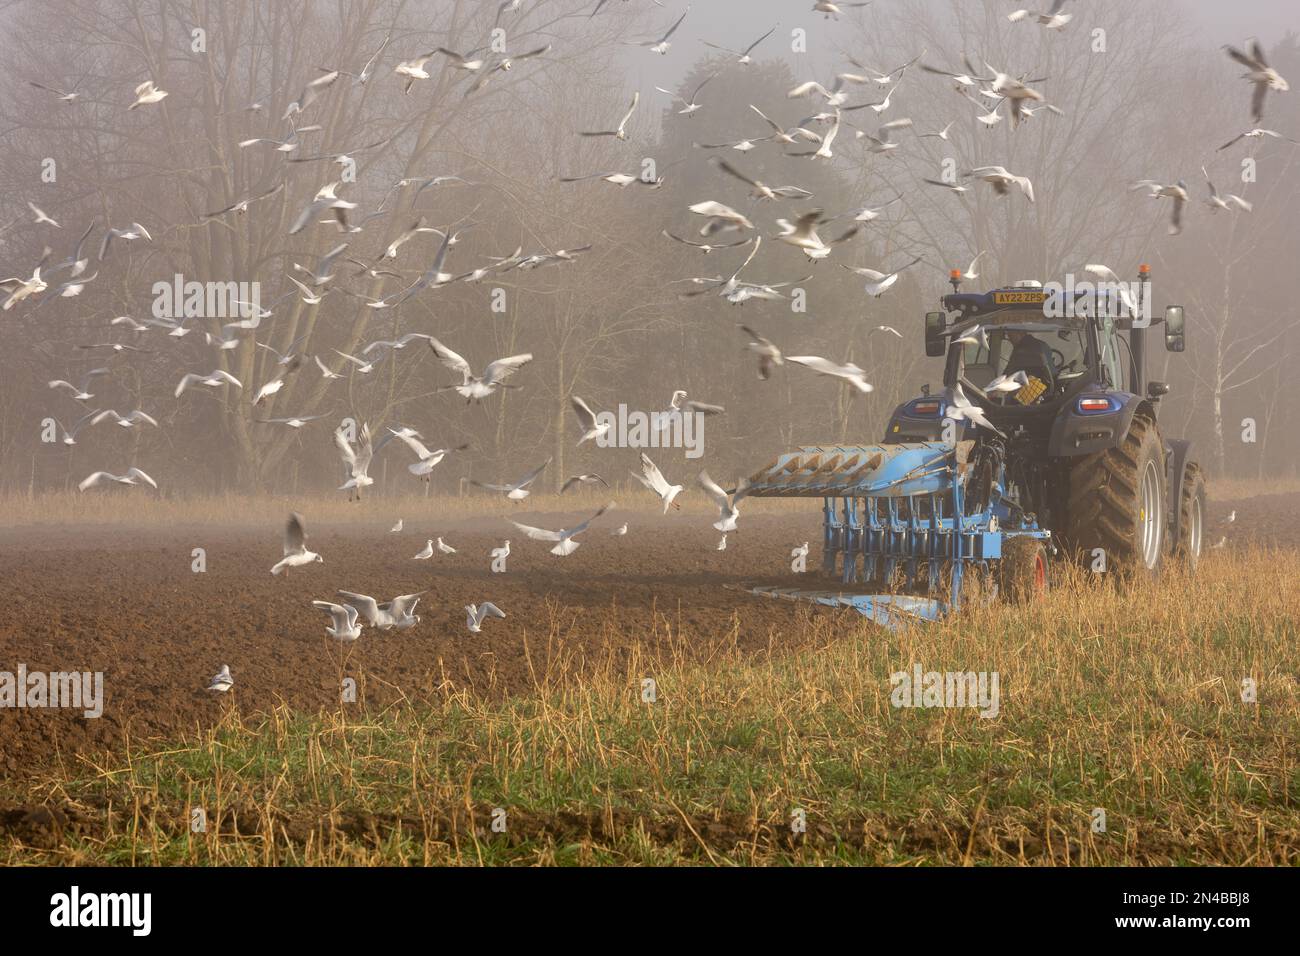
<point>1030,355</point>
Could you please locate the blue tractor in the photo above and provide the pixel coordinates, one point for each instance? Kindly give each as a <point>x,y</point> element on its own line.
<point>1043,443</point>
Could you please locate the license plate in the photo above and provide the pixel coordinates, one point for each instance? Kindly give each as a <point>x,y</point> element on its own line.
<point>1036,297</point>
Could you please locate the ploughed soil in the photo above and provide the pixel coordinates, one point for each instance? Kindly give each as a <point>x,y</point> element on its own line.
<point>126,602</point>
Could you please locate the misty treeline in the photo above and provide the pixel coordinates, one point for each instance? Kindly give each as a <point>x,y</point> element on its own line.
<point>610,326</point>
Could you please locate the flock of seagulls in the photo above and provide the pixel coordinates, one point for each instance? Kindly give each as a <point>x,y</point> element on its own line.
<point>993,94</point>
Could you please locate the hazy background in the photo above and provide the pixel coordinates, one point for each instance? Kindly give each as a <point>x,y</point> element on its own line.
<point>611,326</point>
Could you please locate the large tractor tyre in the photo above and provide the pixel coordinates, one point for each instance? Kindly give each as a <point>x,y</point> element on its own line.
<point>1191,517</point>
<point>1117,503</point>
<point>1022,572</point>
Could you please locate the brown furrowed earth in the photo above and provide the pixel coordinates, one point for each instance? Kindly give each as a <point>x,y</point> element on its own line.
<point>1123,697</point>
<point>124,601</point>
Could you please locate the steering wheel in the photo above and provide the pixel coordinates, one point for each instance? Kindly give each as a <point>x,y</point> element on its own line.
<point>1058,361</point>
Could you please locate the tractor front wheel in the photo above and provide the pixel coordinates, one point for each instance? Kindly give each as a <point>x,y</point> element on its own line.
<point>1191,517</point>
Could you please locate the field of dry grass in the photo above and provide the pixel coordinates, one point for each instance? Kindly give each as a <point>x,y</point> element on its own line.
<point>1123,698</point>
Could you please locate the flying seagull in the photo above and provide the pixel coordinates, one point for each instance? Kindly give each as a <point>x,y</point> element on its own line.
<point>426,459</point>
<point>1002,181</point>
<point>477,614</point>
<point>325,199</point>
<point>661,45</point>
<point>134,231</point>
<point>1226,201</point>
<point>591,428</point>
<point>1258,134</point>
<point>591,479</point>
<point>620,131</point>
<point>518,490</point>
<point>473,387</point>
<point>343,624</point>
<point>768,354</point>
<point>146,93</point>
<point>310,92</point>
<point>397,613</point>
<point>1262,76</point>
<point>356,460</point>
<point>744,55</point>
<point>1053,19</point>
<point>132,477</point>
<point>1175,191</point>
<point>134,418</point>
<point>295,546</point>
<point>727,501</point>
<point>689,105</point>
<point>565,538</point>
<point>66,96</point>
<point>213,379</point>
<point>221,681</point>
<point>849,372</point>
<point>960,407</point>
<point>761,190</point>
<point>79,392</point>
<point>41,216</point>
<point>878,283</point>
<point>720,218</point>
<point>654,480</point>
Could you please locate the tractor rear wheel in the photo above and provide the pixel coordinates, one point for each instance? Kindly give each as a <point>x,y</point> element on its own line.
<point>1022,572</point>
<point>1191,517</point>
<point>1117,503</point>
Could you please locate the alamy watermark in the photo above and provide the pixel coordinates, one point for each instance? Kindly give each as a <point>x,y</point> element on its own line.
<point>42,690</point>
<point>179,299</point>
<point>1103,299</point>
<point>634,429</point>
<point>974,689</point>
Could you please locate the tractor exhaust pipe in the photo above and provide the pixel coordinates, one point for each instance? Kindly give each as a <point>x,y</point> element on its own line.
<point>1137,336</point>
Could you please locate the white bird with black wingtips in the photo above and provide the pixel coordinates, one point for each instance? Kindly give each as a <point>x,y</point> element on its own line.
<point>476,614</point>
<point>133,476</point>
<point>591,428</point>
<point>221,681</point>
<point>654,480</point>
<point>565,538</point>
<point>343,624</point>
<point>296,553</point>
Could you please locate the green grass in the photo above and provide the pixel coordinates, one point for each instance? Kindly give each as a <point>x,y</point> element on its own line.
<point>1121,698</point>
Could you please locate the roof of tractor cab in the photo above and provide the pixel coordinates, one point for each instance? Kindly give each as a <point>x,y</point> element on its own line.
<point>1006,305</point>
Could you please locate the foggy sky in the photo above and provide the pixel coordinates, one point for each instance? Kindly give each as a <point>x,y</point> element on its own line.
<point>737,23</point>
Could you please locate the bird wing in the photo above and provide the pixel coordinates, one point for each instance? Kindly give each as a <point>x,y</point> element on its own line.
<point>295,537</point>
<point>403,604</point>
<point>586,417</point>
<point>531,476</point>
<point>654,479</point>
<point>816,363</point>
<point>341,440</point>
<point>450,359</point>
<point>487,608</point>
<point>712,489</point>
<point>414,444</point>
<point>704,408</point>
<point>137,473</point>
<point>363,603</point>
<point>503,368</point>
<point>539,534</point>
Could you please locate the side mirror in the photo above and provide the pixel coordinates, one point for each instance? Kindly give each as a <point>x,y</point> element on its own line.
<point>1157,389</point>
<point>1175,340</point>
<point>935,325</point>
